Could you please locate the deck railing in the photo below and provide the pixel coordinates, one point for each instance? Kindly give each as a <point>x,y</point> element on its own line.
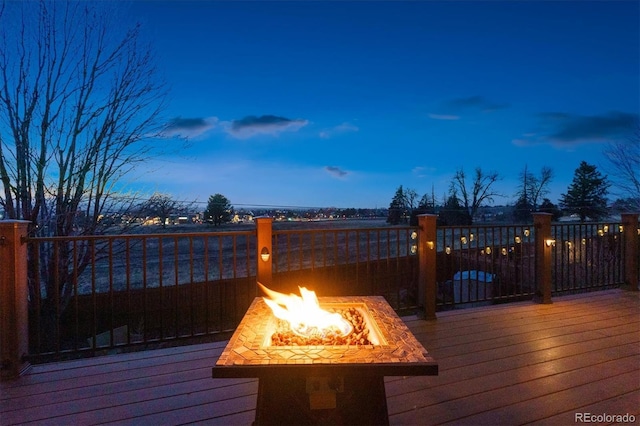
<point>489,264</point>
<point>101,293</point>
<point>108,291</point>
<point>485,264</point>
<point>342,262</point>
<point>587,256</point>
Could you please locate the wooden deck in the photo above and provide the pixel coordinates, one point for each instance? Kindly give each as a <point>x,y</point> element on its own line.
<point>519,363</point>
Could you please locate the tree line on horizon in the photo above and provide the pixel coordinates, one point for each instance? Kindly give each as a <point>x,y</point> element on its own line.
<point>585,197</point>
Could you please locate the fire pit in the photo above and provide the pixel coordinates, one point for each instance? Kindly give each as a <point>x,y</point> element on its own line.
<point>311,384</point>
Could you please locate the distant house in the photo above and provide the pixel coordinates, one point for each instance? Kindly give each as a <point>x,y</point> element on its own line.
<point>242,217</point>
<point>572,218</point>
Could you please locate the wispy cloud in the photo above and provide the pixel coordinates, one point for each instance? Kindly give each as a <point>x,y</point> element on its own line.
<point>444,116</point>
<point>339,129</point>
<point>454,109</point>
<point>251,126</point>
<point>474,102</point>
<point>336,171</point>
<point>188,127</point>
<point>421,171</point>
<point>565,130</point>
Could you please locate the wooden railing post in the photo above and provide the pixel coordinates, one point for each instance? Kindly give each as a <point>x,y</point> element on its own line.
<point>427,239</point>
<point>630,233</point>
<point>543,247</point>
<point>14,294</point>
<point>265,251</point>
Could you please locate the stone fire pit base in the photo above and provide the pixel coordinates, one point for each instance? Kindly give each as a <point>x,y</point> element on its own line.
<point>289,401</point>
<point>324,384</point>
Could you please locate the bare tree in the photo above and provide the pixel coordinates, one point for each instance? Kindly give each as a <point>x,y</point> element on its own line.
<point>530,192</point>
<point>624,160</point>
<point>162,206</point>
<point>79,98</point>
<point>539,186</point>
<point>428,201</point>
<point>481,189</point>
<point>411,198</point>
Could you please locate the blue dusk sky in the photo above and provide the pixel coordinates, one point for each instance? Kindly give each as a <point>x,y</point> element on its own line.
<point>317,104</point>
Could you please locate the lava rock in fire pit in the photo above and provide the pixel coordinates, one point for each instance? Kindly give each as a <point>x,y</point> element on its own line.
<point>284,336</point>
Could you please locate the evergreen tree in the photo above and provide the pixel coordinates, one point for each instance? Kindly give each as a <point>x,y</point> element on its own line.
<point>453,213</point>
<point>522,210</point>
<point>397,207</point>
<point>426,205</point>
<point>548,207</point>
<point>586,196</point>
<point>218,210</point>
<point>428,202</point>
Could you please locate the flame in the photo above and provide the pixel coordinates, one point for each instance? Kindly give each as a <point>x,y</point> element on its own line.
<point>304,314</point>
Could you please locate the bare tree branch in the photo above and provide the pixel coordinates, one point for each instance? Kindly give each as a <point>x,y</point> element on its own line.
<point>79,99</point>
<point>481,189</point>
<point>624,167</point>
<point>533,188</point>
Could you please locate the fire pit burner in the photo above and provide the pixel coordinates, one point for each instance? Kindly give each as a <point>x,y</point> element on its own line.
<point>344,381</point>
<point>356,332</point>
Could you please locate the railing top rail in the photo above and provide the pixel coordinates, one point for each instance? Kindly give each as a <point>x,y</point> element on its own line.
<point>487,226</point>
<point>334,230</point>
<point>528,225</point>
<point>606,222</point>
<point>301,231</point>
<point>139,236</point>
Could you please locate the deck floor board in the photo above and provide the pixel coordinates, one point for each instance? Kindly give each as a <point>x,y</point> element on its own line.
<point>519,363</point>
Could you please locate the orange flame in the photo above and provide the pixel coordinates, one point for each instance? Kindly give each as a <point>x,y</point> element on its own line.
<point>304,314</point>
